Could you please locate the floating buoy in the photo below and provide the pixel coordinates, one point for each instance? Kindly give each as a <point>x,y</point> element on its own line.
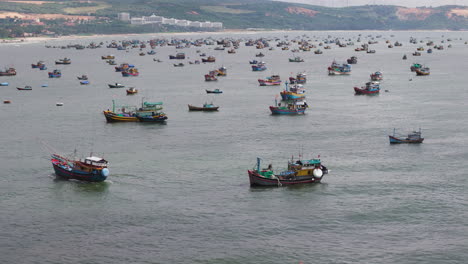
<point>59,104</point>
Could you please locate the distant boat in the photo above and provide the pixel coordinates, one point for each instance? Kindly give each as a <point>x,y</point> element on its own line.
<point>55,74</point>
<point>8,72</point>
<point>65,61</point>
<point>376,76</point>
<point>82,77</point>
<point>25,88</point>
<point>296,59</point>
<point>423,71</point>
<point>413,137</point>
<point>132,90</point>
<point>298,172</point>
<point>293,108</point>
<point>85,82</point>
<point>4,84</point>
<point>337,69</point>
<point>131,113</point>
<point>205,107</point>
<point>178,56</point>
<point>352,60</point>
<point>372,87</point>
<point>116,85</point>
<point>215,91</point>
<point>91,169</point>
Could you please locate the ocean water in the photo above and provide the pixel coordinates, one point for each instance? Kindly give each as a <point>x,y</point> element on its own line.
<point>179,193</point>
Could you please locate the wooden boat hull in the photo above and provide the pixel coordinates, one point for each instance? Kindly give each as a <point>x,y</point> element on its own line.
<point>280,111</point>
<point>116,86</point>
<point>258,180</point>
<point>395,140</point>
<point>152,119</point>
<point>78,175</point>
<point>214,92</point>
<point>208,109</point>
<point>24,89</point>
<point>364,91</point>
<point>113,117</point>
<point>421,73</point>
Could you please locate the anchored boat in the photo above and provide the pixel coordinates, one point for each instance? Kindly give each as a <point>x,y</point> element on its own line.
<point>91,169</point>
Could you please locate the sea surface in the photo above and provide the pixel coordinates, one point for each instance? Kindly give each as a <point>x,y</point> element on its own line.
<point>179,192</point>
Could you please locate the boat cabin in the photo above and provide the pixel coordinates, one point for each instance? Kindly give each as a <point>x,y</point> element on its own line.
<point>95,161</point>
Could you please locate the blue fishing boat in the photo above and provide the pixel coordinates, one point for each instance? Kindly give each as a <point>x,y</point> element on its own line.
<point>4,84</point>
<point>84,82</point>
<point>293,92</point>
<point>91,169</point>
<point>290,108</point>
<point>339,69</point>
<point>298,172</point>
<point>55,74</point>
<point>259,67</point>
<point>413,137</point>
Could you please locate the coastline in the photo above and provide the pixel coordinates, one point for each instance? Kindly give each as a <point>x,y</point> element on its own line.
<point>45,39</point>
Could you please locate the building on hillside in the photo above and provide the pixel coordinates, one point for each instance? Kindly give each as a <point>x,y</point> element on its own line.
<point>182,23</point>
<point>123,16</point>
<point>195,24</point>
<point>217,25</point>
<point>169,21</point>
<point>136,21</point>
<point>153,19</point>
<point>207,24</point>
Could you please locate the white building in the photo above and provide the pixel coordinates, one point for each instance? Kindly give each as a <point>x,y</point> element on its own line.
<point>123,16</point>
<point>195,24</point>
<point>182,23</point>
<point>169,21</point>
<point>217,25</point>
<point>207,24</point>
<point>136,21</point>
<point>153,19</point>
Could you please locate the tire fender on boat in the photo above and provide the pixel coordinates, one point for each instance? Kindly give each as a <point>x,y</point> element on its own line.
<point>105,172</point>
<point>318,173</point>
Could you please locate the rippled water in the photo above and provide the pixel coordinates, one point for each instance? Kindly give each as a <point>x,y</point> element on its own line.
<point>179,193</point>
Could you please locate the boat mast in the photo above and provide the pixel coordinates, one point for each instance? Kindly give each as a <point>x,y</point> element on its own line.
<point>258,164</point>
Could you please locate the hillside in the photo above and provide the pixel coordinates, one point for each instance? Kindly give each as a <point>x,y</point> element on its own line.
<point>101,16</point>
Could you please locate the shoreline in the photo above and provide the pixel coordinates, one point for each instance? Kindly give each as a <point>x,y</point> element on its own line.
<point>45,39</point>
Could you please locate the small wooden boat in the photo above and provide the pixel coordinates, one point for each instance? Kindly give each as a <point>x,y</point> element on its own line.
<point>85,82</point>
<point>92,169</point>
<point>55,74</point>
<point>59,104</point>
<point>25,88</point>
<point>156,118</point>
<point>296,59</point>
<point>4,84</point>
<point>8,72</point>
<point>404,57</point>
<point>82,77</point>
<point>423,71</point>
<point>108,57</point>
<point>116,85</point>
<point>178,64</point>
<point>215,91</point>
<point>297,172</point>
<point>206,107</point>
<point>352,60</point>
<point>6,101</point>
<point>376,76</point>
<point>293,108</point>
<point>132,90</point>
<point>413,137</point>
<point>209,59</point>
<point>370,88</point>
<point>64,61</point>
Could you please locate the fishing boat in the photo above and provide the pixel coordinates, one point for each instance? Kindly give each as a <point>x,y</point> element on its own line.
<point>415,66</point>
<point>259,67</point>
<point>297,172</point>
<point>416,53</point>
<point>128,113</point>
<point>38,65</point>
<point>290,108</point>
<point>209,59</point>
<point>124,67</point>
<point>206,107</point>
<point>55,74</point>
<point>108,57</point>
<point>156,118</point>
<point>25,88</point>
<point>116,85</point>
<point>260,55</point>
<point>211,76</point>
<point>82,77</point>
<point>293,92</point>
<point>337,69</point>
<point>222,71</point>
<point>301,78</point>
<point>215,91</point>
<point>376,76</point>
<point>231,51</point>
<point>4,84</point>
<point>352,60</point>
<point>270,81</point>
<point>8,72</point>
<point>372,87</point>
<point>84,82</point>
<point>253,62</point>
<point>423,71</point>
<point>180,64</point>
<point>130,72</point>
<point>178,56</point>
<point>296,59</point>
<point>318,51</point>
<point>404,57</point>
<point>111,62</point>
<point>371,51</point>
<point>90,169</point>
<point>65,61</point>
<point>132,90</point>
<point>413,137</point>
<point>151,52</point>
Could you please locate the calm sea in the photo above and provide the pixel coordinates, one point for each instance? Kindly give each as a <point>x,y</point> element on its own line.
<point>179,193</point>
